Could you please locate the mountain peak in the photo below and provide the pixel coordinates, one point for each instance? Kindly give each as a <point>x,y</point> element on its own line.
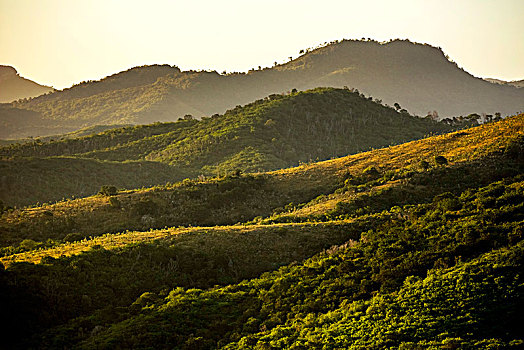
<point>14,87</point>
<point>7,72</point>
<point>420,78</point>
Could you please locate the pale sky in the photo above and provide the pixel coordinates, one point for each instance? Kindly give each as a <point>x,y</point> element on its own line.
<point>63,42</point>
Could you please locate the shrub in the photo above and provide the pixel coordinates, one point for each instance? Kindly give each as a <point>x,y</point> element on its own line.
<point>73,237</point>
<point>4,207</point>
<point>515,148</point>
<point>370,171</point>
<point>28,244</point>
<point>145,206</point>
<point>108,190</point>
<point>441,160</point>
<point>114,202</point>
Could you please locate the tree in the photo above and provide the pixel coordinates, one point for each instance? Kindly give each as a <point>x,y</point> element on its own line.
<point>108,190</point>
<point>433,115</point>
<point>397,106</point>
<point>424,164</point>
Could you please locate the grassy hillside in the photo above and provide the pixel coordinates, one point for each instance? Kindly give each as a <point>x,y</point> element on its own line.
<point>419,77</point>
<point>276,132</point>
<point>331,254</point>
<point>475,157</point>
<point>354,291</point>
<point>403,284</point>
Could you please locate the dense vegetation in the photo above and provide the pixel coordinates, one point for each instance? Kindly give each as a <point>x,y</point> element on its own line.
<point>375,293</point>
<point>276,132</point>
<point>90,130</point>
<point>417,245</point>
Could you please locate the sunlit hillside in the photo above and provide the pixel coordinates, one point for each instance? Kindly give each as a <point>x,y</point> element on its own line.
<point>273,133</point>
<point>414,245</point>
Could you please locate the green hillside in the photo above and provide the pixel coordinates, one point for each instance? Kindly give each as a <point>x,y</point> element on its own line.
<point>418,77</point>
<point>370,181</point>
<point>28,181</point>
<point>417,245</point>
<point>276,132</point>
<point>403,284</point>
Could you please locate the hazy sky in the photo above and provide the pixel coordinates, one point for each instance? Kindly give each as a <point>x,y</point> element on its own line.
<point>62,42</point>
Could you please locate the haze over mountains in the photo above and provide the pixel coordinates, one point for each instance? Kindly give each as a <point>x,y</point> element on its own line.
<point>14,87</point>
<point>418,77</point>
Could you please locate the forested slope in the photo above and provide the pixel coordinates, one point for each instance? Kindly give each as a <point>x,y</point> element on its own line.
<point>330,255</point>
<point>277,132</point>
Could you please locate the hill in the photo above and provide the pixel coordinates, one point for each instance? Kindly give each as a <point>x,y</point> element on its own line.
<point>418,77</point>
<point>13,87</point>
<point>415,245</point>
<point>277,132</point>
<point>70,135</point>
<point>237,198</point>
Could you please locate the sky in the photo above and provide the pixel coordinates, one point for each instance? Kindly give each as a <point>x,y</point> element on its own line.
<point>63,42</point>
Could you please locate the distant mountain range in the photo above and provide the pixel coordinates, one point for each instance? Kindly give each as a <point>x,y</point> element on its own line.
<point>14,87</point>
<point>420,78</point>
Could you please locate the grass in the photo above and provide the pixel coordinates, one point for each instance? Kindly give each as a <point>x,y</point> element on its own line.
<point>219,235</point>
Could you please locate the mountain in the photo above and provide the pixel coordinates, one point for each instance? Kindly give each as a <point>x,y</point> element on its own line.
<point>420,78</point>
<point>273,133</point>
<point>516,83</point>
<point>417,245</point>
<point>14,87</point>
